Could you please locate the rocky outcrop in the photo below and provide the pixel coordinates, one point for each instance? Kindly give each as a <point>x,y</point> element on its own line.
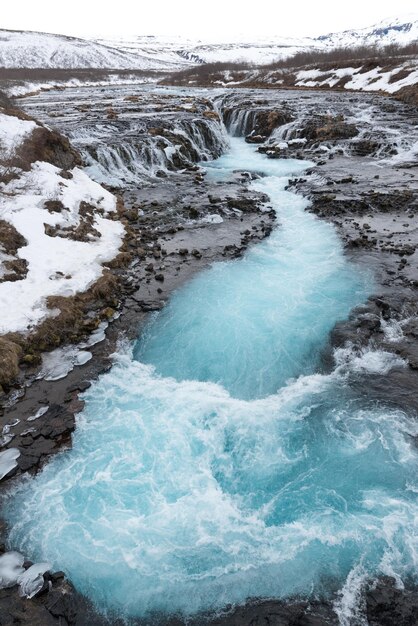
<point>409,95</point>
<point>49,146</point>
<point>327,127</point>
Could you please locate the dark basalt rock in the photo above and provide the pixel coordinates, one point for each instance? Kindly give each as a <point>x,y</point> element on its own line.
<point>326,127</point>
<point>274,613</point>
<point>389,606</point>
<point>365,147</point>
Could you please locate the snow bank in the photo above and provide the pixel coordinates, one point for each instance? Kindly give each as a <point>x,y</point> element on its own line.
<point>376,79</point>
<point>21,89</point>
<point>12,132</point>
<point>56,265</point>
<point>61,261</point>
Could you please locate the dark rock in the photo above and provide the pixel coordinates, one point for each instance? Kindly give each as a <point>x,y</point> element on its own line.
<point>389,606</point>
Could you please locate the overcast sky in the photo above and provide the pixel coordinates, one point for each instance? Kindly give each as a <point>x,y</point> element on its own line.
<point>204,19</point>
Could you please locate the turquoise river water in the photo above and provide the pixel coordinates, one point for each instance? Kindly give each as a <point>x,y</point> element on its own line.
<point>217,461</point>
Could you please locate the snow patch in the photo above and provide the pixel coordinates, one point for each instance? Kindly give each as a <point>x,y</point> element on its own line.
<point>56,265</point>
<point>8,461</point>
<point>58,363</point>
<point>12,132</point>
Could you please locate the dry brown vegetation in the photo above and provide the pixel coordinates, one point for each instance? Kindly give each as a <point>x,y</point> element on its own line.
<point>252,75</point>
<point>10,241</point>
<point>46,145</point>
<point>70,325</point>
<point>84,231</point>
<point>10,354</point>
<point>74,317</point>
<point>408,95</point>
<point>343,56</point>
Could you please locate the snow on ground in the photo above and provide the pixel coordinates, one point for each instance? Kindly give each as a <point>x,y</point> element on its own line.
<point>57,265</point>
<point>12,132</point>
<point>44,50</point>
<point>20,89</point>
<point>376,79</point>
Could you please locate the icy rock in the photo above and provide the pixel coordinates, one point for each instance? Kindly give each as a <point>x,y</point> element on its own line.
<point>82,357</point>
<point>96,337</point>
<point>213,219</point>
<point>58,363</point>
<point>38,413</point>
<point>11,567</point>
<point>8,461</point>
<point>32,580</point>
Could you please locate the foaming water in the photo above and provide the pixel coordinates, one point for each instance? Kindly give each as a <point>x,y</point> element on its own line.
<point>253,323</point>
<point>194,486</point>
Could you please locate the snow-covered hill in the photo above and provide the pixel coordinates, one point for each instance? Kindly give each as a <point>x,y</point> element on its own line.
<point>399,30</point>
<point>43,50</point>
<point>175,49</point>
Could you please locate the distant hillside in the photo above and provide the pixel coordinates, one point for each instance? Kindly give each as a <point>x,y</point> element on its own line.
<point>23,49</point>
<point>400,30</point>
<point>390,69</point>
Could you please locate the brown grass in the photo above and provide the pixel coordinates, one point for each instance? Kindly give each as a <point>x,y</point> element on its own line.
<point>46,145</point>
<point>356,55</point>
<point>409,95</point>
<point>71,325</point>
<point>366,56</point>
<point>10,354</point>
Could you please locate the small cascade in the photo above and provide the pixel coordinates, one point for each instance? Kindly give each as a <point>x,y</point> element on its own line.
<point>240,122</point>
<point>287,132</point>
<point>132,157</point>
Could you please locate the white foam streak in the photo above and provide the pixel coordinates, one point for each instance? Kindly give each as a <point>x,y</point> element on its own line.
<point>350,606</point>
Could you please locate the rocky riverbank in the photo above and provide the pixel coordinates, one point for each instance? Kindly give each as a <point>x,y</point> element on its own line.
<point>365,181</point>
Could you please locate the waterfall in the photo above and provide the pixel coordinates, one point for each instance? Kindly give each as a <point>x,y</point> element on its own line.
<point>137,155</point>
<point>240,122</point>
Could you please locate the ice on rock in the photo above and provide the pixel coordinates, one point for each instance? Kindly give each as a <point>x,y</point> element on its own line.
<point>212,219</point>
<point>11,567</point>
<point>13,573</point>
<point>96,336</point>
<point>38,413</point>
<point>6,435</point>
<point>8,461</point>
<point>82,357</point>
<point>58,363</point>
<point>31,581</point>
